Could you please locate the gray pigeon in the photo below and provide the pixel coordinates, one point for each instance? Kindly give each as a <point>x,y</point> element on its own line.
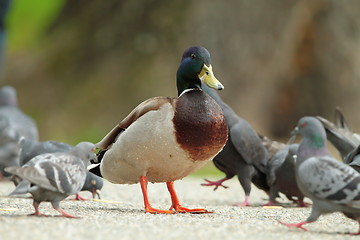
<point>14,124</point>
<point>30,149</point>
<point>332,185</point>
<point>92,184</point>
<point>353,159</point>
<point>340,134</point>
<point>19,122</point>
<point>243,155</point>
<point>281,176</point>
<point>54,176</point>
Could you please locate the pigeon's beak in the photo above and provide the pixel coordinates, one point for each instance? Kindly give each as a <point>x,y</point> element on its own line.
<point>293,135</point>
<point>95,193</point>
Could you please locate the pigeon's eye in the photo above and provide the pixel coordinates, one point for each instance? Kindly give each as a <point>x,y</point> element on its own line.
<point>303,125</point>
<point>192,56</point>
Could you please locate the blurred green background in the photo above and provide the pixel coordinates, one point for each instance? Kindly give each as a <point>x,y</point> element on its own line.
<point>80,66</point>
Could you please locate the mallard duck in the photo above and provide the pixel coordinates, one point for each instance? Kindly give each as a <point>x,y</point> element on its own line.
<point>166,138</point>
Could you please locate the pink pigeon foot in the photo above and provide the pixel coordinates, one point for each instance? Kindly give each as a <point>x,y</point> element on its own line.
<point>297,225</point>
<point>215,183</point>
<point>301,203</point>
<point>65,214</point>
<point>79,198</point>
<point>243,204</point>
<point>272,203</point>
<point>37,213</point>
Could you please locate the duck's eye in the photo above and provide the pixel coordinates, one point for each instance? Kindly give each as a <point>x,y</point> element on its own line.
<point>192,56</point>
<point>207,73</point>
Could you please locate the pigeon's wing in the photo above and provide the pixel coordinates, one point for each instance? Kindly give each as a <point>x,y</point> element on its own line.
<point>272,146</point>
<point>34,175</point>
<point>66,171</point>
<point>275,162</point>
<point>60,172</point>
<point>248,145</point>
<point>330,180</point>
<point>342,138</point>
<point>31,148</point>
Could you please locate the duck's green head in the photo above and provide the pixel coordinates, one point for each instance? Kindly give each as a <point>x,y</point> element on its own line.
<point>195,66</point>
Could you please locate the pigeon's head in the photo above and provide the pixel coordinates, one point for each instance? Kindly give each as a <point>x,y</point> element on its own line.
<point>311,129</point>
<point>85,151</point>
<point>93,184</point>
<point>8,96</point>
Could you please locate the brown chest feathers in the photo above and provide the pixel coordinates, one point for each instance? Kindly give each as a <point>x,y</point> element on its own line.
<point>200,126</point>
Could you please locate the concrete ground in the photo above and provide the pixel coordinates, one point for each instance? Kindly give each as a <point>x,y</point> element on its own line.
<point>120,215</point>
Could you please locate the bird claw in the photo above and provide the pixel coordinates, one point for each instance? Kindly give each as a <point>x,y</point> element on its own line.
<point>156,211</point>
<point>296,225</point>
<point>38,214</point>
<point>181,209</point>
<point>303,204</point>
<point>243,204</point>
<point>271,203</point>
<point>79,198</point>
<point>214,183</point>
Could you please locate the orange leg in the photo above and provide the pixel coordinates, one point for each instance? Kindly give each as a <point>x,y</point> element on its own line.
<point>176,203</point>
<point>148,208</point>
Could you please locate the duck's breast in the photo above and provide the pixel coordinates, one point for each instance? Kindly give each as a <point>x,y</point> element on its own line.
<point>148,148</point>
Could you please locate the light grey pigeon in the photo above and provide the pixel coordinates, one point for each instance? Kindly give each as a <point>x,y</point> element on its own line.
<point>30,149</point>
<point>14,124</point>
<point>54,176</point>
<point>332,185</point>
<point>22,124</point>
<point>281,176</point>
<point>243,156</point>
<point>340,134</point>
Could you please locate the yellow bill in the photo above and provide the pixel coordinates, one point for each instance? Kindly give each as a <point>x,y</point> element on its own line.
<point>207,76</point>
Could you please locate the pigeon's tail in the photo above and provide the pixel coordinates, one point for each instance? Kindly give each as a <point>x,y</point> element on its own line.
<point>352,155</point>
<point>22,188</point>
<point>341,138</point>
<point>340,120</point>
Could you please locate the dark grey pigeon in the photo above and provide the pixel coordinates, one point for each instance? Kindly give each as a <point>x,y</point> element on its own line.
<point>30,149</point>
<point>281,176</point>
<point>92,184</point>
<point>271,146</point>
<point>353,159</point>
<point>340,134</point>
<point>14,124</point>
<point>243,155</point>
<point>54,176</point>
<point>332,185</point>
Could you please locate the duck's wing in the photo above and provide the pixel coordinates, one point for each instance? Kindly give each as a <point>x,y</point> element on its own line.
<point>151,104</point>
